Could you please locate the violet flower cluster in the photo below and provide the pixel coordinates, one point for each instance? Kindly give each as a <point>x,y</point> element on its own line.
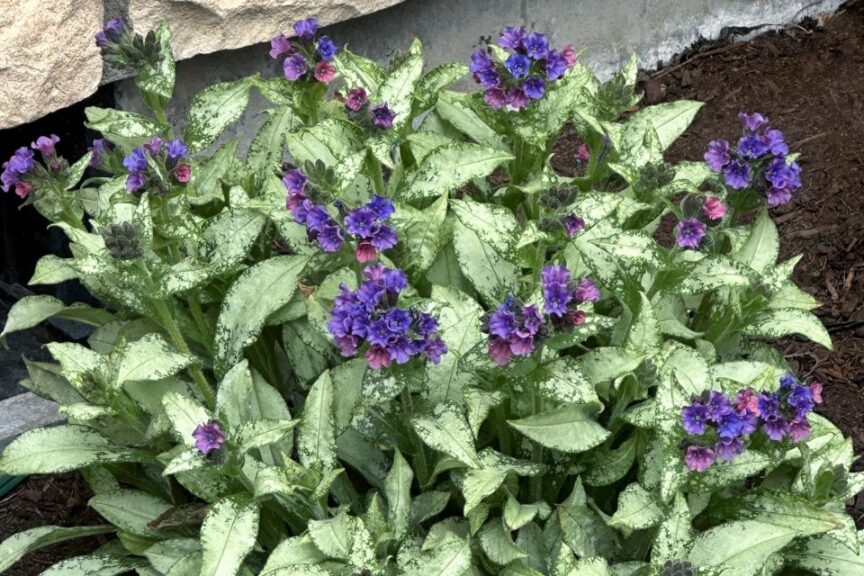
<point>366,224</point>
<point>690,232</point>
<point>208,437</point>
<point>369,317</point>
<point>171,155</point>
<point>759,161</point>
<point>20,171</point>
<point>524,75</point>
<point>381,115</point>
<point>719,426</point>
<point>308,56</point>
<point>516,329</point>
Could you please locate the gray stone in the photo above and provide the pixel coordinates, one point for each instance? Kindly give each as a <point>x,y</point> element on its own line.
<point>48,58</point>
<point>25,412</point>
<point>205,26</point>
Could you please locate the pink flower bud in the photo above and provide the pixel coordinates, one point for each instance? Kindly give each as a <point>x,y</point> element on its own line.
<point>23,189</point>
<point>324,72</point>
<point>182,173</point>
<point>714,208</point>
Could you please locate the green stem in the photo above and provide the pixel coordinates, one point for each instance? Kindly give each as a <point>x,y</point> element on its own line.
<point>419,450</point>
<point>536,450</point>
<point>205,391</point>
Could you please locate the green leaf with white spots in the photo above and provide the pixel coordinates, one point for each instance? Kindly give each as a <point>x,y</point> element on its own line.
<point>610,465</point>
<point>782,322</point>
<point>446,429</point>
<point>258,433</point>
<point>159,79</point>
<point>714,272</point>
<point>563,381</point>
<point>741,547</point>
<point>228,534</point>
<point>434,81</point>
<point>495,467</point>
<point>637,509</point>
<point>453,558</point>
<point>254,296</point>
<point>130,510</point>
<point>824,556</point>
<point>398,87</point>
<point>461,117</point>
<point>185,414</point>
<point>266,150</point>
<point>675,533</point>
<point>397,489</point>
<point>95,565</point>
<point>571,428</point>
<point>16,546</point>
<point>122,128</point>
<point>150,358</point>
<point>447,168</point>
<point>64,448</point>
<point>31,311</point>
<point>316,443</point>
<point>762,246</point>
<point>359,71</point>
<point>214,109</point>
<point>421,232</point>
<point>496,542</point>
<point>459,327</point>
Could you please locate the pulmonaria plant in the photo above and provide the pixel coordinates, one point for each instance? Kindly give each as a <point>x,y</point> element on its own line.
<point>527,65</point>
<point>403,365</point>
<point>309,57</point>
<point>759,162</point>
<point>369,318</point>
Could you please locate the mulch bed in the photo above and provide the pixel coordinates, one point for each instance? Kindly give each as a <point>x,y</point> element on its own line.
<point>809,80</point>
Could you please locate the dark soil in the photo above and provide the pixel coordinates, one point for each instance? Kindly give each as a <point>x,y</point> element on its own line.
<point>49,500</point>
<point>809,80</point>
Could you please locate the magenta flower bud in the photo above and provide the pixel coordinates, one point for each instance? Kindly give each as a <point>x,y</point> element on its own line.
<point>816,390</point>
<point>356,99</point>
<point>23,189</point>
<point>280,45</point>
<point>382,115</point>
<point>587,291</point>
<point>714,208</point>
<point>496,97</point>
<point>154,146</point>
<point>699,458</point>
<point>378,357</point>
<point>518,98</point>
<point>573,224</point>
<point>324,72</point>
<point>365,251</point>
<point>208,437</point>
<point>499,350</point>
<point>182,173</point>
<point>569,54</point>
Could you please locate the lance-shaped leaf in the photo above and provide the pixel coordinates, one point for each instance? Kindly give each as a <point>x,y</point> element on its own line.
<point>421,232</point>
<point>741,547</point>
<point>336,144</point>
<point>398,87</point>
<point>495,467</point>
<point>185,414</point>
<point>563,381</point>
<point>637,509</point>
<point>449,167</point>
<point>762,246</point>
<point>397,488</point>
<point>461,117</point>
<point>16,546</point>
<point>359,71</point>
<point>228,534</point>
<point>150,358</point>
<point>316,442</point>
<point>434,81</point>
<point>159,79</point>
<point>713,272</point>
<point>459,326</point>
<point>30,311</point>
<point>95,565</point>
<point>130,510</point>
<point>254,296</point>
<point>825,556</point>
<point>496,542</point>
<point>265,152</point>
<point>453,558</point>
<point>583,530</point>
<point>571,428</point>
<point>787,321</point>
<point>213,109</point>
<point>447,430</point>
<point>258,433</point>
<point>122,128</point>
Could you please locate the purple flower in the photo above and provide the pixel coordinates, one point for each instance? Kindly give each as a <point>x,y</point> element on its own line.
<point>801,397</point>
<point>176,150</point>
<point>382,115</point>
<point>556,65</point>
<point>136,161</point>
<point>777,196</point>
<point>729,448</point>
<point>295,181</point>
<point>783,175</point>
<point>753,146</point>
<point>689,233</point>
<point>799,429</point>
<point>434,349</point>
<point>503,322</point>
<point>317,217</point>
<point>499,350</point>
<point>517,98</point>
<point>280,45</point>
<point>775,426</point>
<point>699,458</point>
<point>426,324</point>
<point>816,390</point>
<point>747,400</point>
<point>382,207</point>
<point>19,164</point>
<point>557,297</point>
<point>586,291</point>
<point>777,142</point>
<point>489,78</point>
<point>326,49</point>
<point>306,29</point>
<point>555,274</point>
<point>383,237</point>
<point>534,87</point>
<point>134,181</point>
<point>496,97</point>
<point>718,155</point>
<point>98,148</point>
<point>518,65</point>
<point>573,224</point>
<point>111,32</point>
<point>330,237</point>
<point>359,222</point>
<point>718,407</point>
<point>208,437</point>
<point>536,45</point>
<point>480,61</point>
<point>154,146</point>
<point>45,145</point>
<point>694,417</point>
<point>378,357</point>
<point>356,99</point>
<point>295,67</point>
<point>365,251</point>
<point>752,122</point>
<point>512,37</point>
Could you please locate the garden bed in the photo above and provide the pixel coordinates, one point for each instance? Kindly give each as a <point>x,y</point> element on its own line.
<point>808,79</point>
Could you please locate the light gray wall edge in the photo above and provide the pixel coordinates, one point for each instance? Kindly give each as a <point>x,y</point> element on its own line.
<point>24,412</point>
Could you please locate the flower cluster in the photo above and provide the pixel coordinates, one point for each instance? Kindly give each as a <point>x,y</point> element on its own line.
<point>370,316</point>
<point>20,171</point>
<point>309,51</point>
<point>171,154</point>
<point>517,329</point>
<point>557,200</point>
<point>381,114</point>
<point>208,437</point>
<point>523,76</point>
<point>365,224</point>
<point>761,151</point>
<point>690,232</point>
<point>722,424</point>
<point>111,33</point>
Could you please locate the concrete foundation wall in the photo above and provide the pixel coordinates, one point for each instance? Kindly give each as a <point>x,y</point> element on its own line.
<point>608,31</point>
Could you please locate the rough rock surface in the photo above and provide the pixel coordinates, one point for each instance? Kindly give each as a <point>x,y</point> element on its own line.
<point>204,26</point>
<point>48,59</point>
